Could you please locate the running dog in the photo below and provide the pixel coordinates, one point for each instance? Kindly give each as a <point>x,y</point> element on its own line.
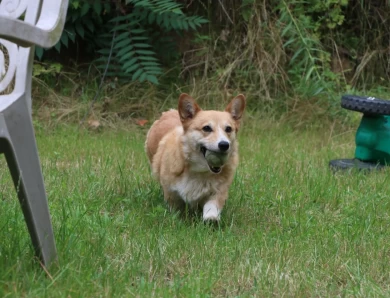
<point>193,154</point>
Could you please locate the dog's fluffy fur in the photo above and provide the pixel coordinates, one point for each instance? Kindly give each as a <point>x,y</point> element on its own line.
<point>179,146</point>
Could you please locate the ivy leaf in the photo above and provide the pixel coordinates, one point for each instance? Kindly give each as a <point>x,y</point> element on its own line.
<point>58,46</point>
<point>39,52</point>
<point>97,7</point>
<point>75,4</point>
<point>89,24</point>
<point>71,33</point>
<point>64,39</point>
<point>79,29</point>
<point>84,9</point>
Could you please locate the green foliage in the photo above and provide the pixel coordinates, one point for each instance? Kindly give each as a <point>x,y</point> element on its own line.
<point>319,36</point>
<point>126,33</point>
<point>275,49</point>
<point>46,69</point>
<point>326,14</point>
<point>308,60</point>
<point>134,54</point>
<point>83,18</point>
<point>247,9</point>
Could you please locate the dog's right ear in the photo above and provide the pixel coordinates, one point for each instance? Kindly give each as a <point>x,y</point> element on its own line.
<point>188,108</point>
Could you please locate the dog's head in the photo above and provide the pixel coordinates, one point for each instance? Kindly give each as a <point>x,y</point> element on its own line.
<point>210,136</point>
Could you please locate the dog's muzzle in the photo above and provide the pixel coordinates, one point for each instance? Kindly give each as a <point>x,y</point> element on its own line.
<point>215,160</point>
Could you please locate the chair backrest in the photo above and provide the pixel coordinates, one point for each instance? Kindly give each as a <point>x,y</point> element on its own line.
<point>26,10</point>
<point>23,24</point>
<point>14,60</point>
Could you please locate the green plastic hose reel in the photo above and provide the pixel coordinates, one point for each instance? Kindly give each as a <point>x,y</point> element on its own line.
<point>372,137</point>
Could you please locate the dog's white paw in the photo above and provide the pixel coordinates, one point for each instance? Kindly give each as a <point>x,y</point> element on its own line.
<point>211,212</point>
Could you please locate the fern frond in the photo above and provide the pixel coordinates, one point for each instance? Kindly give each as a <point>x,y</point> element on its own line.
<point>161,6</point>
<point>134,54</point>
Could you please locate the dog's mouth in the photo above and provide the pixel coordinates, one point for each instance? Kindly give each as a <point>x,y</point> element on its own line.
<point>203,150</point>
<point>212,168</point>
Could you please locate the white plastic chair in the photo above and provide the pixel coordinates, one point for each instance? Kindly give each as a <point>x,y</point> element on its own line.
<point>24,24</point>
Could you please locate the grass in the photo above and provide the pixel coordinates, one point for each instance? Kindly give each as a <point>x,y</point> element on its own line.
<point>290,228</point>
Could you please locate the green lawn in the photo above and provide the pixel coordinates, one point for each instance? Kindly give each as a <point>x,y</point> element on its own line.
<point>290,228</point>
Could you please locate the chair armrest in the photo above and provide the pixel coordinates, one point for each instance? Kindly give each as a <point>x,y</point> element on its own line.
<point>45,33</point>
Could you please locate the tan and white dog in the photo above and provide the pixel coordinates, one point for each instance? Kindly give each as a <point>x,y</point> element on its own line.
<point>194,154</point>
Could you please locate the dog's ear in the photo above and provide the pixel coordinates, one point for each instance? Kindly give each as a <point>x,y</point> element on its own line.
<point>187,107</point>
<point>236,107</point>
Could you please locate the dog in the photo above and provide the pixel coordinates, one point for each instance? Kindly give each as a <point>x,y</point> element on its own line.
<point>193,154</point>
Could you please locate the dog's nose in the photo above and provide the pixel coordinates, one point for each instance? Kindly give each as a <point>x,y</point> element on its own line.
<point>223,146</point>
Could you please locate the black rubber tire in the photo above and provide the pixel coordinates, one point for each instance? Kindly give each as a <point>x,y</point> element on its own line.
<point>366,105</point>
<point>347,164</point>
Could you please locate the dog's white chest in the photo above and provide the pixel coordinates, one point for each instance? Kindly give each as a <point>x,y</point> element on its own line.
<point>193,189</point>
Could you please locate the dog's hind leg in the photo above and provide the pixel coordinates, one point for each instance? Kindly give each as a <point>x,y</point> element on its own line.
<point>174,203</point>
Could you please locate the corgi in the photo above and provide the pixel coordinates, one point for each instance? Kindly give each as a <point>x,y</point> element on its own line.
<point>193,154</point>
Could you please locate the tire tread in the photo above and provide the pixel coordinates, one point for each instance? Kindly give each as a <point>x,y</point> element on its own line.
<point>365,105</point>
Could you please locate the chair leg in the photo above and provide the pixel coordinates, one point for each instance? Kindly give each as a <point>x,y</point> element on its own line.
<point>23,162</point>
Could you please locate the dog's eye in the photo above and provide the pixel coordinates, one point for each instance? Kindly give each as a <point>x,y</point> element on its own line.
<point>228,129</point>
<point>207,128</point>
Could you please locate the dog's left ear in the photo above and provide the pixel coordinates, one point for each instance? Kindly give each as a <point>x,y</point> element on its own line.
<point>236,107</point>
<point>187,108</point>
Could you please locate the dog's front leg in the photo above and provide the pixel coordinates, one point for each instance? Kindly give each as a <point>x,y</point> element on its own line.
<point>213,207</point>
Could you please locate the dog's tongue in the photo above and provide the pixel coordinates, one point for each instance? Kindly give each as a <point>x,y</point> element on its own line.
<point>215,170</point>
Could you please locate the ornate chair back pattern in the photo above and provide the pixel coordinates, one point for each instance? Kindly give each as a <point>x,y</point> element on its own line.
<point>14,59</point>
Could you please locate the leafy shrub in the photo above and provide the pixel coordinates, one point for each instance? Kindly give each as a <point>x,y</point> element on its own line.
<point>125,36</point>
